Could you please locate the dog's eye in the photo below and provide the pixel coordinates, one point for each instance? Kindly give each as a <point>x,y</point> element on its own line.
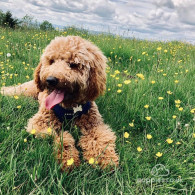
<point>51,61</point>
<point>73,65</point>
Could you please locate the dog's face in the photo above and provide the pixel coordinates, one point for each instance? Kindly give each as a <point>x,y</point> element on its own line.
<point>73,66</point>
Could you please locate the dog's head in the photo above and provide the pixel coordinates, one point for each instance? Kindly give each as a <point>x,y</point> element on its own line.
<point>73,68</point>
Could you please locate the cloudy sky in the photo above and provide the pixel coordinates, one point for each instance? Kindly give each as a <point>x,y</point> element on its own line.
<point>144,19</point>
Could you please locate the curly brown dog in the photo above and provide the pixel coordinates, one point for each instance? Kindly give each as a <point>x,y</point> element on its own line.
<point>70,76</point>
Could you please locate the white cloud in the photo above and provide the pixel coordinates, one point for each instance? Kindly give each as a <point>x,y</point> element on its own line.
<point>159,19</point>
<point>185,9</point>
<point>166,3</point>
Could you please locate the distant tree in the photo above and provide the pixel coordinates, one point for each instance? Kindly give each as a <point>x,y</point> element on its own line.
<point>7,20</point>
<point>45,25</point>
<point>26,21</point>
<point>1,17</point>
<point>29,22</point>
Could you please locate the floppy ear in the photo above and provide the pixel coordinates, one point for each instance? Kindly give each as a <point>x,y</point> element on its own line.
<point>37,77</point>
<point>97,77</point>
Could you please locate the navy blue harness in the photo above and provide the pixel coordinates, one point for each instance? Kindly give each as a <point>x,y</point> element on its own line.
<point>62,113</point>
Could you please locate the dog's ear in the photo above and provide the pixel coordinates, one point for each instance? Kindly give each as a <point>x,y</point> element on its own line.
<point>97,77</point>
<point>37,77</point>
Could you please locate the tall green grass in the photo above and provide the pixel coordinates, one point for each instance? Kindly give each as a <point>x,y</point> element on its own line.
<point>30,168</point>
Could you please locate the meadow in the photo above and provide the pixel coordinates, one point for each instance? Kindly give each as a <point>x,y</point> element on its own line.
<point>149,103</point>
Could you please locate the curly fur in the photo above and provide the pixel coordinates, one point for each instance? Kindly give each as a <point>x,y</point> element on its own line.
<point>80,68</point>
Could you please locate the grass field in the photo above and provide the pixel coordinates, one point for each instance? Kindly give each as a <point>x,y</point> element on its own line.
<point>149,103</point>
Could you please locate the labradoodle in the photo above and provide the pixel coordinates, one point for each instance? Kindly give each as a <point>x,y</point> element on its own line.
<point>70,76</point>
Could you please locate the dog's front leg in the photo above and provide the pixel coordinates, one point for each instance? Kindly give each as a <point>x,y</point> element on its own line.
<point>98,140</point>
<point>98,143</point>
<point>43,123</point>
<point>46,123</point>
<point>66,152</point>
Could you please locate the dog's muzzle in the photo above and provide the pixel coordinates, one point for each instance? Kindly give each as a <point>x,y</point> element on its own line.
<point>52,81</point>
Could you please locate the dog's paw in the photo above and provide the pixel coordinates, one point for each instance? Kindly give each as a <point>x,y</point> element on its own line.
<point>104,160</point>
<point>66,152</point>
<point>2,90</point>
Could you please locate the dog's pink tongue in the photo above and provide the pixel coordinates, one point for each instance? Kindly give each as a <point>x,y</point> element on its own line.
<point>54,98</point>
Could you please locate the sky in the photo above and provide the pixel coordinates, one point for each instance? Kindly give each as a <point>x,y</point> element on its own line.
<point>144,19</point>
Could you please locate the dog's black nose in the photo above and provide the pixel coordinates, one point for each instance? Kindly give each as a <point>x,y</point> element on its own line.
<point>53,81</point>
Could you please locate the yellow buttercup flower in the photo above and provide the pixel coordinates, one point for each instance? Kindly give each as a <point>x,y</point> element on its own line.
<point>49,130</point>
<point>177,101</point>
<point>119,85</point>
<point>169,141</point>
<point>169,92</point>
<point>33,131</point>
<point>25,140</point>
<point>117,72</point>
<point>126,82</point>
<point>148,118</point>
<point>16,97</point>
<point>91,160</point>
<point>146,106</point>
<point>131,124</point>
<point>153,82</point>
<point>174,116</point>
<point>141,76</point>
<point>70,162</point>
<point>160,98</point>
<point>149,136</point>
<point>159,154</point>
<point>180,109</point>
<point>139,149</point>
<point>18,107</point>
<point>159,48</point>
<point>176,81</point>
<point>192,111</point>
<point>126,135</point>
<point>119,91</point>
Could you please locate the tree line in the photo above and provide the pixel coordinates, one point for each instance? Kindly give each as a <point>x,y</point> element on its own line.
<point>8,21</point>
